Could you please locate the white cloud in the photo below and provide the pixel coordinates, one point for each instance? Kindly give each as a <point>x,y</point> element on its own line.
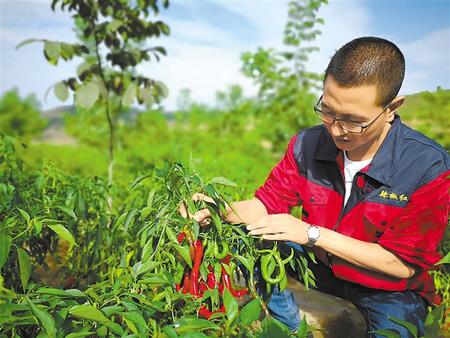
<point>428,60</point>
<point>203,69</point>
<point>344,21</point>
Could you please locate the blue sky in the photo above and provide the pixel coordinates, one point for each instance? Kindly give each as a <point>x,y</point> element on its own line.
<point>208,38</point>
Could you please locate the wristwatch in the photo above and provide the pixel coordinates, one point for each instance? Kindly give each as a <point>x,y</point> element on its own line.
<point>313,235</point>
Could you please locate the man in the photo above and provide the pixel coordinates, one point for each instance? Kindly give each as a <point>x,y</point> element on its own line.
<point>374,194</point>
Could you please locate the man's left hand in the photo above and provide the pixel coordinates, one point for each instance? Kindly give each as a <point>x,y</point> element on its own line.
<point>282,227</point>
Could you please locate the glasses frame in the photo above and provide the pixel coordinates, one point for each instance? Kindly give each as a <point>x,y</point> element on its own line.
<point>318,112</point>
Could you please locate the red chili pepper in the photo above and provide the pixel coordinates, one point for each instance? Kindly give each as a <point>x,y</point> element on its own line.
<point>198,246</point>
<point>186,283</point>
<point>194,287</point>
<point>206,313</point>
<point>181,236</point>
<point>227,283</point>
<point>226,260</point>
<point>177,287</point>
<point>211,280</point>
<point>203,287</point>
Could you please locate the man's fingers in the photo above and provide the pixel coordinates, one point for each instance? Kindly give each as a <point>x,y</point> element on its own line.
<point>202,197</point>
<point>202,215</point>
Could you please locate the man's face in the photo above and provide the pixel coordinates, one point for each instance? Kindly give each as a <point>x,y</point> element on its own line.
<point>356,104</point>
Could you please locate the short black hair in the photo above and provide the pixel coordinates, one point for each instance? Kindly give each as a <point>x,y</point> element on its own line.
<point>369,61</point>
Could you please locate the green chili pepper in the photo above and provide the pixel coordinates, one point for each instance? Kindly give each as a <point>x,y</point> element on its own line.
<point>265,261</point>
<point>220,254</point>
<point>287,260</point>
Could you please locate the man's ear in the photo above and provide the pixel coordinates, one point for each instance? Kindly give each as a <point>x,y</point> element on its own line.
<point>395,104</point>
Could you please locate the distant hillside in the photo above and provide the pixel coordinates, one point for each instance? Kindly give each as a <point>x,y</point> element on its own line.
<point>429,112</point>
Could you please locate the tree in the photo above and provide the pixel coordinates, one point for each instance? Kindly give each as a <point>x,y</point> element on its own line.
<point>285,86</point>
<point>112,36</point>
<point>20,117</point>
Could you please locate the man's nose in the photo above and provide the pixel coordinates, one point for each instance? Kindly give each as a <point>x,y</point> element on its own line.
<point>337,130</point>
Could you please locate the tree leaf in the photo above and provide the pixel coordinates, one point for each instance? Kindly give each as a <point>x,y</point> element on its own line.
<point>163,91</point>
<point>26,42</point>
<point>129,95</point>
<point>231,306</point>
<point>88,312</point>
<point>5,246</point>
<point>44,319</point>
<point>223,181</point>
<point>52,51</point>
<point>61,91</point>
<point>24,266</point>
<point>145,95</point>
<point>86,95</point>
<point>250,312</point>
<point>62,232</point>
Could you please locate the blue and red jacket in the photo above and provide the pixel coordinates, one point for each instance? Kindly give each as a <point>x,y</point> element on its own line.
<point>400,200</point>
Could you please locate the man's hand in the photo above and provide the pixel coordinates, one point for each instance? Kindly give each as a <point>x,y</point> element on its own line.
<point>203,216</point>
<point>283,227</point>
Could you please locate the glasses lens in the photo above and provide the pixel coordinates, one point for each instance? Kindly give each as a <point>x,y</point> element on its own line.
<point>350,126</point>
<point>324,117</point>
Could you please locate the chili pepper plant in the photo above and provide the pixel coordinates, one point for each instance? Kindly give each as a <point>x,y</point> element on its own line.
<point>148,273</point>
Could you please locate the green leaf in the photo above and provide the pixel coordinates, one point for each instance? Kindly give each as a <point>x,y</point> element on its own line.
<point>155,280</point>
<point>135,317</point>
<point>387,333</point>
<point>231,306</point>
<point>129,95</point>
<point>250,312</point>
<point>432,327</point>
<point>184,253</point>
<point>114,25</point>
<point>223,181</point>
<point>52,51</point>
<point>86,95</point>
<point>62,232</point>
<point>60,293</point>
<point>303,328</point>
<point>79,334</point>
<point>67,51</point>
<point>444,260</point>
<point>88,312</point>
<point>162,89</point>
<point>114,327</point>
<point>26,42</point>
<point>247,262</point>
<point>44,319</point>
<point>61,91</point>
<point>24,267</point>
<point>145,95</point>
<point>171,235</point>
<point>25,215</point>
<point>274,328</point>
<point>410,326</point>
<point>5,246</point>
<point>193,324</point>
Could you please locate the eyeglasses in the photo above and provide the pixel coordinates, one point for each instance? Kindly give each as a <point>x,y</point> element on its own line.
<point>349,126</point>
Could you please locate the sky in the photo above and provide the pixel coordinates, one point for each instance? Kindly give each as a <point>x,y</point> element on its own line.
<point>208,37</point>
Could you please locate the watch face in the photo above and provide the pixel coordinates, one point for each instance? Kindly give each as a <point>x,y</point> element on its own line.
<point>313,232</point>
